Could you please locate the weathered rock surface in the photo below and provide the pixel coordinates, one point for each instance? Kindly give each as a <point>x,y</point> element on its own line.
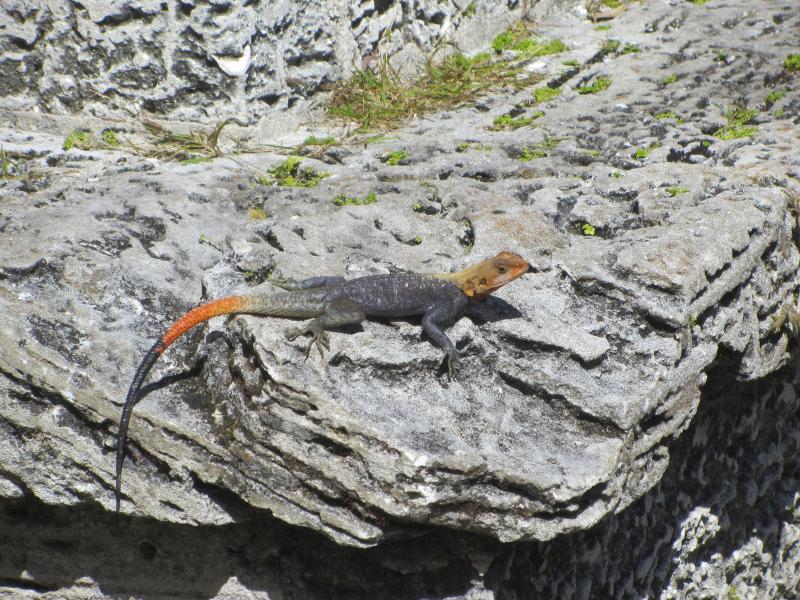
<point>200,61</point>
<point>599,399</point>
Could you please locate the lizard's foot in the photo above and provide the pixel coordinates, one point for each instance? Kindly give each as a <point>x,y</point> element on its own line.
<point>452,362</point>
<point>319,337</point>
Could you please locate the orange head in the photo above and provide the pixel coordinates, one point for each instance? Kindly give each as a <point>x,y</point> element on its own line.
<point>478,281</point>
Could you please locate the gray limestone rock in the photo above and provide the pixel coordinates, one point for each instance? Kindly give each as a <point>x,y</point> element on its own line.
<point>623,422</point>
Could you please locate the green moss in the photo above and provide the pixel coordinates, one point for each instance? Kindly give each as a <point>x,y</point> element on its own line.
<point>588,229</point>
<point>669,115</point>
<point>738,117</point>
<point>630,49</point>
<point>616,174</point>
<point>671,78</point>
<point>417,208</point>
<point>792,62</point>
<point>470,10</point>
<point>342,200</point>
<point>78,139</point>
<point>395,158</point>
<point>289,174</point>
<point>602,27</point>
<point>642,153</point>
<point>600,83</point>
<point>572,62</point>
<point>545,94</point>
<point>512,123</point>
<point>676,191</point>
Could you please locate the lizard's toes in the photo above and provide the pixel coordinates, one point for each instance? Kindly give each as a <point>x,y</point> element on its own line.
<point>292,333</point>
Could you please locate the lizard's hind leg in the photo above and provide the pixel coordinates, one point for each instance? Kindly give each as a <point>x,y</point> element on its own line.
<point>341,311</point>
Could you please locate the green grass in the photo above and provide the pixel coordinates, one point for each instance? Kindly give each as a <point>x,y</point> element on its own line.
<point>774,96</point>
<point>545,94</point>
<point>342,200</point>
<point>110,137</point>
<point>610,46</point>
<point>395,158</point>
<point>530,153</point>
<point>511,123</point>
<point>669,115</point>
<point>323,141</point>
<point>572,62</point>
<point>630,49</point>
<point>600,83</point>
<point>602,27</point>
<point>738,117</point>
<point>82,140</point>
<point>470,10</point>
<point>380,99</point>
<point>676,191</point>
<point>671,78</point>
<point>792,62</point>
<point>289,174</point>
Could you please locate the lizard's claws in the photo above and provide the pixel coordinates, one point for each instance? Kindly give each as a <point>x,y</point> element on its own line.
<point>452,361</point>
<point>319,338</point>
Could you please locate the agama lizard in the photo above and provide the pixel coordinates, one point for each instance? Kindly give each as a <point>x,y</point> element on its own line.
<point>334,302</point>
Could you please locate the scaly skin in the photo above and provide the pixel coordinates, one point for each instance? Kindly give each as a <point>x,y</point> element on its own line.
<point>333,302</point>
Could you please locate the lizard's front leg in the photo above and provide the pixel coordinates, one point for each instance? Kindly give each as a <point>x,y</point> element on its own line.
<point>341,311</point>
<point>431,323</point>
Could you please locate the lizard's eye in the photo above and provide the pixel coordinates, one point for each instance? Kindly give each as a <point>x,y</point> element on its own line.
<point>501,269</point>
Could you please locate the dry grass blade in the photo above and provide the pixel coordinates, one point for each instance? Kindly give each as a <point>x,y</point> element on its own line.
<point>194,146</point>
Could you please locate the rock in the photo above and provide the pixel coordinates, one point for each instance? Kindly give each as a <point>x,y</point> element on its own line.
<point>622,421</point>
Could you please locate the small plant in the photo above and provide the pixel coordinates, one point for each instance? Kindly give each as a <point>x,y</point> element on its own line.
<point>470,10</point>
<point>519,40</point>
<point>676,191</point>
<point>610,46</point>
<point>773,97</point>
<point>588,229</point>
<point>671,78</point>
<point>572,62</point>
<point>82,140</point>
<point>380,98</point>
<point>600,83</point>
<point>256,213</point>
<point>698,2</point>
<point>642,153</point>
<point>289,174</point>
<point>630,49</point>
<point>616,174</point>
<point>530,153</point>
<point>602,27</point>
<point>545,94</point>
<point>669,115</point>
<point>792,62</point>
<point>342,200</point>
<point>395,158</point>
<point>512,123</point>
<point>110,138</point>
<point>721,56</point>
<point>738,117</point>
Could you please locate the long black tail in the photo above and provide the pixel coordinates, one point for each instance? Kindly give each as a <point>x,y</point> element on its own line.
<point>127,409</point>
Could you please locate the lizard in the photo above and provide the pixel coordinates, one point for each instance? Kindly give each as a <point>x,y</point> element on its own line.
<point>333,302</point>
